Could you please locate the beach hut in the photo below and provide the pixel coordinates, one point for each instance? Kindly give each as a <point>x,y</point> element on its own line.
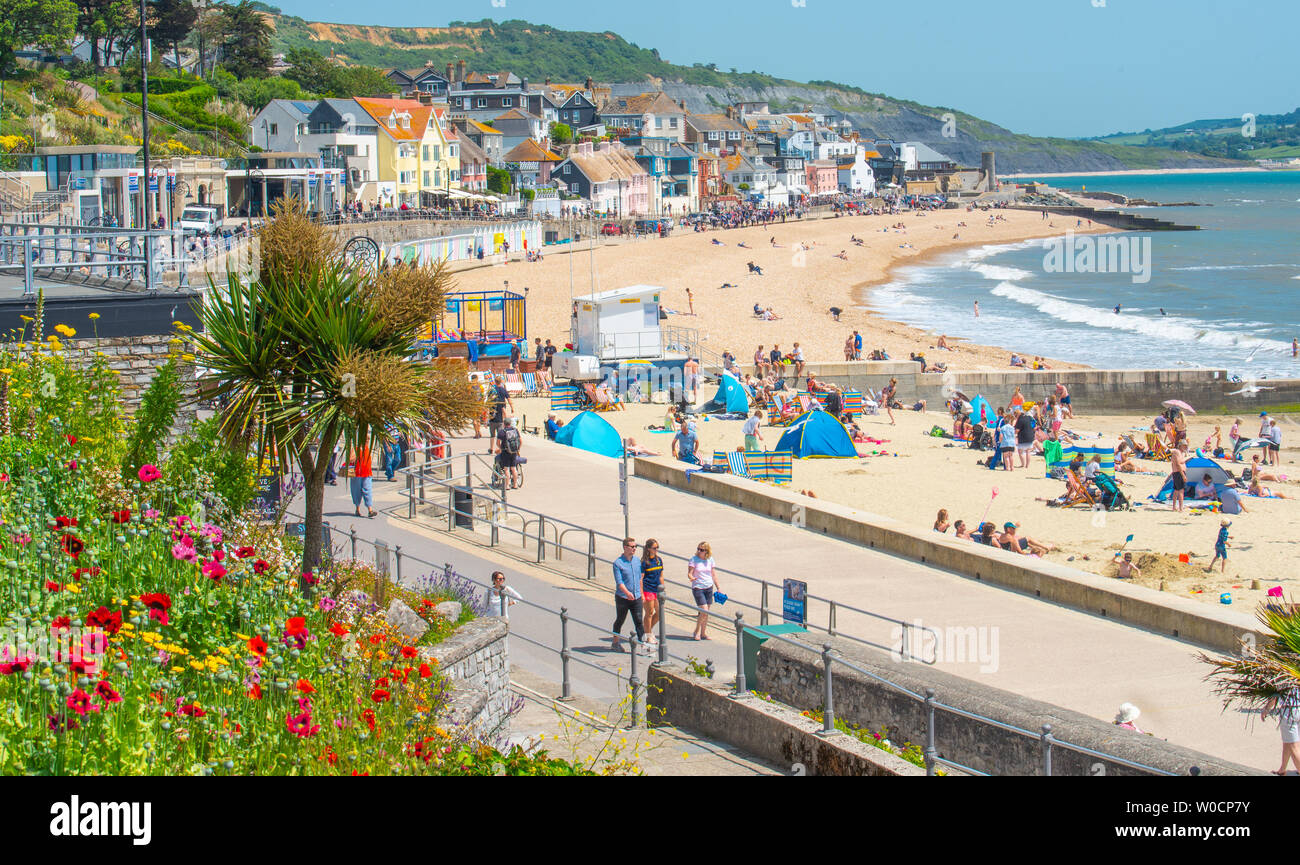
<point>731,397</point>
<point>817,434</point>
<point>589,431</point>
<point>1197,467</point>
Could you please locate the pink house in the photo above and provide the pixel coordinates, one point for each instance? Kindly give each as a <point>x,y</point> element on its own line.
<point>822,177</point>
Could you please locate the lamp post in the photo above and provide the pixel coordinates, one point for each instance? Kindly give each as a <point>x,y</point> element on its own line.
<point>144,140</point>
<point>256,174</point>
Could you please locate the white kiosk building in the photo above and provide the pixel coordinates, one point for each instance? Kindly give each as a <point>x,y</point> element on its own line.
<point>622,324</point>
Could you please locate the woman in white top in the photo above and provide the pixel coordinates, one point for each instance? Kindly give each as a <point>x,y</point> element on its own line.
<point>499,592</point>
<point>703,584</point>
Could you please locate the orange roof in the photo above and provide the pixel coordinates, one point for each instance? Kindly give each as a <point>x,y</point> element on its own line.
<point>871,154</point>
<point>529,150</point>
<point>480,127</point>
<point>382,109</point>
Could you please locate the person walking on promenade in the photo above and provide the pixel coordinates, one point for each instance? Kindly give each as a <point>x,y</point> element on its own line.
<point>501,592</point>
<point>1287,705</point>
<point>704,582</point>
<point>362,484</point>
<point>627,593</point>
<point>652,585</point>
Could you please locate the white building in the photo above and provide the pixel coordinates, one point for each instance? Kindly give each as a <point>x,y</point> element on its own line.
<point>855,174</point>
<point>340,130</point>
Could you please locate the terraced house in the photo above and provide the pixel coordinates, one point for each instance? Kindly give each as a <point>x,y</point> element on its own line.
<point>404,127</point>
<point>608,177</point>
<point>645,114</point>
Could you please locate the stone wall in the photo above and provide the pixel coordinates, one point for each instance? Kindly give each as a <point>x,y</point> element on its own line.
<point>476,661</point>
<point>794,676</point>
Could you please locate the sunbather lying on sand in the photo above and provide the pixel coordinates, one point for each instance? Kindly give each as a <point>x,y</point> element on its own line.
<point>1262,492</point>
<point>637,450</point>
<point>1024,545</point>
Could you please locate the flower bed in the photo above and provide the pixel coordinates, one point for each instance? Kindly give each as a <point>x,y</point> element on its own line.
<point>141,638</point>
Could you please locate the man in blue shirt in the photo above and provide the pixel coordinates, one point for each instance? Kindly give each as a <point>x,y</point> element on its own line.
<point>684,445</point>
<point>857,345</point>
<point>627,593</point>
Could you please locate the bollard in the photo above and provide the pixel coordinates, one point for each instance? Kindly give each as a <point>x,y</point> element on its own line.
<point>410,496</point>
<point>501,598</point>
<point>828,714</point>
<point>496,524</point>
<point>907,649</point>
<point>930,752</point>
<point>451,508</point>
<point>541,538</point>
<point>1046,739</point>
<point>354,544</point>
<point>397,551</point>
<point>634,683</point>
<point>564,654</point>
<point>762,615</point>
<point>831,630</point>
<point>423,468</point>
<point>740,656</point>
<point>591,554</point>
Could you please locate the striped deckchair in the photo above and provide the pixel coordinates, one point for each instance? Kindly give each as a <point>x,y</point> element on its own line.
<point>736,463</point>
<point>514,383</point>
<point>774,415</point>
<point>544,382</point>
<point>565,398</point>
<point>854,403</point>
<point>530,383</point>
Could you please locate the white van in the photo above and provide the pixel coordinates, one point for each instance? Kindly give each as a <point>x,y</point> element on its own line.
<point>200,219</point>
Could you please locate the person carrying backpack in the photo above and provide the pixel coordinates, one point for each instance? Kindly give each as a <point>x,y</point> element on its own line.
<point>507,445</point>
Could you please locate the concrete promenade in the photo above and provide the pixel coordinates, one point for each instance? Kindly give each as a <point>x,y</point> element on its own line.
<point>1075,660</point>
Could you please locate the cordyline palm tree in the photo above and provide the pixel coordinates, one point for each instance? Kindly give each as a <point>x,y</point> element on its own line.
<point>1261,673</point>
<point>316,351</point>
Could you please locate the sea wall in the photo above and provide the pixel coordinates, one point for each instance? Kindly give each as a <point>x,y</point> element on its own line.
<point>793,675</point>
<point>1203,624</point>
<point>476,660</point>
<point>1092,391</point>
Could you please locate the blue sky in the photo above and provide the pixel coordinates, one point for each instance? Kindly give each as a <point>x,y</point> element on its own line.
<point>1042,67</point>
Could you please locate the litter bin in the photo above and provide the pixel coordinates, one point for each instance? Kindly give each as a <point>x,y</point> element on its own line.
<point>464,504</point>
<point>752,638</point>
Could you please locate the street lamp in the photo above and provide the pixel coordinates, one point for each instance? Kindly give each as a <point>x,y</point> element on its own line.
<point>255,174</point>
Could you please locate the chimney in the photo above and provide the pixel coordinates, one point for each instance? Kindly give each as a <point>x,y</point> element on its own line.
<point>731,112</point>
<point>548,81</point>
<point>428,64</point>
<point>460,70</point>
<point>682,103</point>
<point>450,79</point>
<point>589,85</point>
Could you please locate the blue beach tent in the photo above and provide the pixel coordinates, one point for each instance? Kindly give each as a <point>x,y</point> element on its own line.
<point>730,398</point>
<point>1197,467</point>
<point>981,411</point>
<point>589,431</point>
<point>817,434</point>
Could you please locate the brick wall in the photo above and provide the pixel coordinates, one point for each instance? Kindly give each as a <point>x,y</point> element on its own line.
<point>476,661</point>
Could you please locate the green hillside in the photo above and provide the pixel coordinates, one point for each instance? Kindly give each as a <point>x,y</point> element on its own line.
<point>1274,136</point>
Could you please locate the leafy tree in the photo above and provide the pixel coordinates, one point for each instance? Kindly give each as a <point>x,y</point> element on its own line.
<point>318,75</point>
<point>170,22</point>
<point>498,180</point>
<point>49,24</point>
<point>561,133</point>
<point>246,42</point>
<point>314,351</point>
<point>105,21</point>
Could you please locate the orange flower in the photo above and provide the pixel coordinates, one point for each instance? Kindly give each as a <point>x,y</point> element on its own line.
<point>339,629</point>
<point>257,646</point>
<point>305,687</point>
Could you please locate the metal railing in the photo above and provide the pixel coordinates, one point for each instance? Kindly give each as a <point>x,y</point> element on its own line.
<point>107,252</point>
<point>532,534</point>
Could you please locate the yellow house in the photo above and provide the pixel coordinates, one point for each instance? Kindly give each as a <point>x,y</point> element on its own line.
<point>439,157</point>
<point>403,129</point>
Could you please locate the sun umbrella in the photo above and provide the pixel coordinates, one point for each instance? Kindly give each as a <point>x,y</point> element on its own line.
<point>1177,403</point>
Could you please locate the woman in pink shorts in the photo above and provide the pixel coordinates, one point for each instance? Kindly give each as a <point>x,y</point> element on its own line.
<point>652,575</point>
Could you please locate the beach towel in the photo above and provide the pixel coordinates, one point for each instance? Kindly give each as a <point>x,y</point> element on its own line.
<point>1051,452</point>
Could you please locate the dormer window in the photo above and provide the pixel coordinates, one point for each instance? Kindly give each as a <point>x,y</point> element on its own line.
<point>391,122</point>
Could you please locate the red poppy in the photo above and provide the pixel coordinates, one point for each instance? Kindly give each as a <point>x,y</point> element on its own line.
<point>309,578</point>
<point>255,692</point>
<point>12,668</point>
<point>369,717</point>
<point>379,695</point>
<point>257,646</point>
<point>64,522</point>
<point>73,465</point>
<point>218,554</point>
<point>356,774</point>
<point>72,545</point>
<point>214,571</point>
<point>296,626</point>
<point>52,586</point>
<point>79,702</point>
<point>107,692</point>
<point>409,652</point>
<point>85,572</point>
<point>102,618</point>
<point>82,667</point>
<point>193,710</point>
<point>305,687</point>
<point>261,566</point>
<point>158,603</point>
<point>72,440</point>
<point>376,639</point>
<point>245,552</point>
<point>426,603</point>
<point>123,516</point>
<point>4,477</point>
<point>301,725</point>
<point>61,623</point>
<point>382,683</point>
<point>338,629</point>
<point>425,671</point>
<point>149,473</point>
<point>59,725</point>
<point>331,758</point>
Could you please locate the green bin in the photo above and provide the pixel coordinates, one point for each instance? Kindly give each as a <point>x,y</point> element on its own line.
<point>752,638</point>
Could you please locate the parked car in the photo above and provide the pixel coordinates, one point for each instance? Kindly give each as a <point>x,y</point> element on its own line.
<point>611,228</point>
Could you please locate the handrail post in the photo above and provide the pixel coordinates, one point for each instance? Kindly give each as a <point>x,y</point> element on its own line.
<point>907,649</point>
<point>451,508</point>
<point>591,554</point>
<point>564,654</point>
<point>831,630</point>
<point>634,683</point>
<point>663,629</point>
<point>541,538</point>
<point>762,611</point>
<point>410,496</point>
<point>397,551</point>
<point>354,543</point>
<point>494,538</point>
<point>930,752</point>
<point>828,713</point>
<point>741,690</point>
<point>1046,739</point>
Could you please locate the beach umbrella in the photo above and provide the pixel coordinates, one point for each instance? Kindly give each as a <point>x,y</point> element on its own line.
<point>1179,404</point>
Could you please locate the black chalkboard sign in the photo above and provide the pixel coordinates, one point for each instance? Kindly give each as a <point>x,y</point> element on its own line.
<point>268,496</point>
<point>299,530</point>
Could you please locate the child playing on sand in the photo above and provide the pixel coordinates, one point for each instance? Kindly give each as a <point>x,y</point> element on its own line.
<point>1221,545</point>
<point>1128,570</point>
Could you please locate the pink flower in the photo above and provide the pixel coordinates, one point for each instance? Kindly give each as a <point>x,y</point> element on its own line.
<point>214,571</point>
<point>152,514</point>
<point>212,533</point>
<point>301,725</point>
<point>184,553</point>
<point>149,473</point>
<point>79,702</point>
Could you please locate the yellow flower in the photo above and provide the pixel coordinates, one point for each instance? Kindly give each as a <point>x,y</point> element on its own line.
<point>26,318</point>
<point>178,669</point>
<point>94,315</point>
<point>7,371</point>
<point>188,358</point>
<point>65,330</point>
<point>198,665</point>
<point>73,587</point>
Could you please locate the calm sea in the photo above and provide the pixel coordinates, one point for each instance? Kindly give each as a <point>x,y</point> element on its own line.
<point>1226,297</point>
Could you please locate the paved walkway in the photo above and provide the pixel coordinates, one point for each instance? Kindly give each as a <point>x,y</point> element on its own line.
<point>1048,652</point>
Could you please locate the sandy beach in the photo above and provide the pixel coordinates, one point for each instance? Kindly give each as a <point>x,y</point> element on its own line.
<point>939,474</point>
<point>800,286</point>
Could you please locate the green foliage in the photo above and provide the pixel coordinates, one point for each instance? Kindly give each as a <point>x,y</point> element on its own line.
<point>49,24</point>
<point>561,133</point>
<point>317,75</point>
<point>693,664</point>
<point>908,751</point>
<point>154,419</point>
<point>498,180</point>
<point>246,48</point>
<point>212,472</point>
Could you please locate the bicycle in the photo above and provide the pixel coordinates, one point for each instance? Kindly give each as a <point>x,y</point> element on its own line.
<point>501,476</point>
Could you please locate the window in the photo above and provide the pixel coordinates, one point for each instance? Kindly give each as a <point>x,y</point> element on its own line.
<point>437,178</point>
<point>426,153</point>
<point>426,179</point>
<point>482,102</point>
<point>659,123</point>
<point>506,102</point>
<point>275,129</point>
<point>437,153</point>
<point>672,123</point>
